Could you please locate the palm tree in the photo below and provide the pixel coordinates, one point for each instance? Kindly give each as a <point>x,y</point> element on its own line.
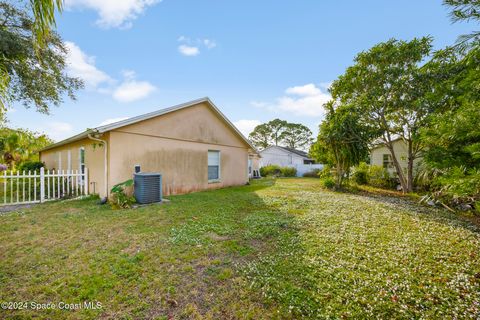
<point>44,14</point>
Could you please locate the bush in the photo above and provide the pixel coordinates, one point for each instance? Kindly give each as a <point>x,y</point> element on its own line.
<point>312,174</point>
<point>277,171</point>
<point>270,170</point>
<point>328,182</point>
<point>31,166</point>
<point>120,199</point>
<point>360,173</point>
<point>460,187</point>
<point>378,177</point>
<point>288,172</point>
<point>326,172</point>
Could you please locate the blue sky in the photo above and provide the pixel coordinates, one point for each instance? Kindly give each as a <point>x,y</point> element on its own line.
<point>257,60</point>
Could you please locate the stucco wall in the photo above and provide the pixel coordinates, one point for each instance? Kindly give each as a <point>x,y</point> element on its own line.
<point>93,161</point>
<point>176,145</point>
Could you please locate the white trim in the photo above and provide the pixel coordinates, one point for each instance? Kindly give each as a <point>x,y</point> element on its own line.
<point>219,179</point>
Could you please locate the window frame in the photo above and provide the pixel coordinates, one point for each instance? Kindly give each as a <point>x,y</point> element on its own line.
<point>81,165</point>
<point>219,166</point>
<point>388,163</point>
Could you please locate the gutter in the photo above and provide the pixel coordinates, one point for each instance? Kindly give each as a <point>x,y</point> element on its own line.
<point>105,163</point>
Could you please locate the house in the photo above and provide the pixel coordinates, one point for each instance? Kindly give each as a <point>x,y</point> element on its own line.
<point>193,145</point>
<point>288,157</point>
<point>381,156</point>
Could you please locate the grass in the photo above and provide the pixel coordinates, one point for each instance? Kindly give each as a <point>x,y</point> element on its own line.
<point>281,248</point>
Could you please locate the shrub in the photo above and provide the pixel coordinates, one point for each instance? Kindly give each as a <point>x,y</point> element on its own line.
<point>288,171</point>
<point>360,173</point>
<point>312,174</point>
<point>459,186</point>
<point>326,172</point>
<point>31,166</point>
<point>328,182</point>
<point>270,170</point>
<point>378,177</point>
<point>120,199</point>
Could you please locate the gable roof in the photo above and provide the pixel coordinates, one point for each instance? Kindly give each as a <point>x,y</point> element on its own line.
<point>379,143</point>
<point>300,153</point>
<point>150,115</point>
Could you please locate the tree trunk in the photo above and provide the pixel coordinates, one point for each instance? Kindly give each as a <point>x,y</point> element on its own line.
<point>410,159</point>
<point>388,140</point>
<point>398,168</point>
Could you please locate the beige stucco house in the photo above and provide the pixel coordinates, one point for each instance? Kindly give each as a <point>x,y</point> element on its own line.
<point>381,156</point>
<point>193,145</point>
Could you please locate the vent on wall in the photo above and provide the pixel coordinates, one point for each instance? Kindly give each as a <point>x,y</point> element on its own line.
<point>148,187</point>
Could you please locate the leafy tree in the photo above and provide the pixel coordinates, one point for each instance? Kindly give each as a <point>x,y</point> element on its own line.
<point>267,134</point>
<point>344,137</point>
<point>19,145</point>
<point>277,127</point>
<point>465,10</point>
<point>296,136</point>
<point>391,91</point>
<point>32,58</point>
<point>261,136</point>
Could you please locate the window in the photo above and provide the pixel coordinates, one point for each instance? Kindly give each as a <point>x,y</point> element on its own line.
<point>387,161</point>
<point>81,158</point>
<point>213,165</point>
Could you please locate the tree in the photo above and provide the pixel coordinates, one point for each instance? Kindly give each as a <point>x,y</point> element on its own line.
<point>261,136</point>
<point>343,138</point>
<point>267,134</point>
<point>296,136</point>
<point>19,145</point>
<point>32,58</point>
<point>277,128</point>
<point>465,10</point>
<point>391,91</point>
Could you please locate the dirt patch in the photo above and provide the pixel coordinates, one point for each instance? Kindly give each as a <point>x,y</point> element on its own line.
<point>14,207</point>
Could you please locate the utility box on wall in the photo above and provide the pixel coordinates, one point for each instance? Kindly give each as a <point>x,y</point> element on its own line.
<point>147,187</point>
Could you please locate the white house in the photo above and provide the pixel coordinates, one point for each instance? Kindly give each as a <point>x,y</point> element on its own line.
<point>380,156</point>
<point>288,157</point>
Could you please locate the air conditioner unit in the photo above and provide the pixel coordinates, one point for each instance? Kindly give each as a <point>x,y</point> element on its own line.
<point>147,187</point>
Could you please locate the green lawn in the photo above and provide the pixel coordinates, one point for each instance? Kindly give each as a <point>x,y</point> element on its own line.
<point>280,248</point>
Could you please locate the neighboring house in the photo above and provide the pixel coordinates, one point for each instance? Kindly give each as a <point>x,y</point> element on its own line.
<point>381,156</point>
<point>193,145</point>
<point>288,157</point>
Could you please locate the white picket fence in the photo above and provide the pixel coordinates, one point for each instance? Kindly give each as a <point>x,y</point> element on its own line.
<point>35,187</point>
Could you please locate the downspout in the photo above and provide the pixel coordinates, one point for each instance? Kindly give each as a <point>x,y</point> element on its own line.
<point>105,164</point>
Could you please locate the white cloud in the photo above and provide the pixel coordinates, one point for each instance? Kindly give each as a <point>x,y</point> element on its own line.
<point>58,130</point>
<point>246,126</point>
<point>210,44</point>
<point>112,120</point>
<point>83,66</point>
<point>131,90</point>
<point>188,50</point>
<point>191,47</point>
<point>113,13</point>
<point>306,90</point>
<point>306,100</point>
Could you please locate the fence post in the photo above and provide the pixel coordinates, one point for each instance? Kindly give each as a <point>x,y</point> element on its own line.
<point>42,184</point>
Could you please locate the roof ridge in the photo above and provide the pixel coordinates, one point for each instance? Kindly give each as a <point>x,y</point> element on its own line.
<point>149,115</point>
